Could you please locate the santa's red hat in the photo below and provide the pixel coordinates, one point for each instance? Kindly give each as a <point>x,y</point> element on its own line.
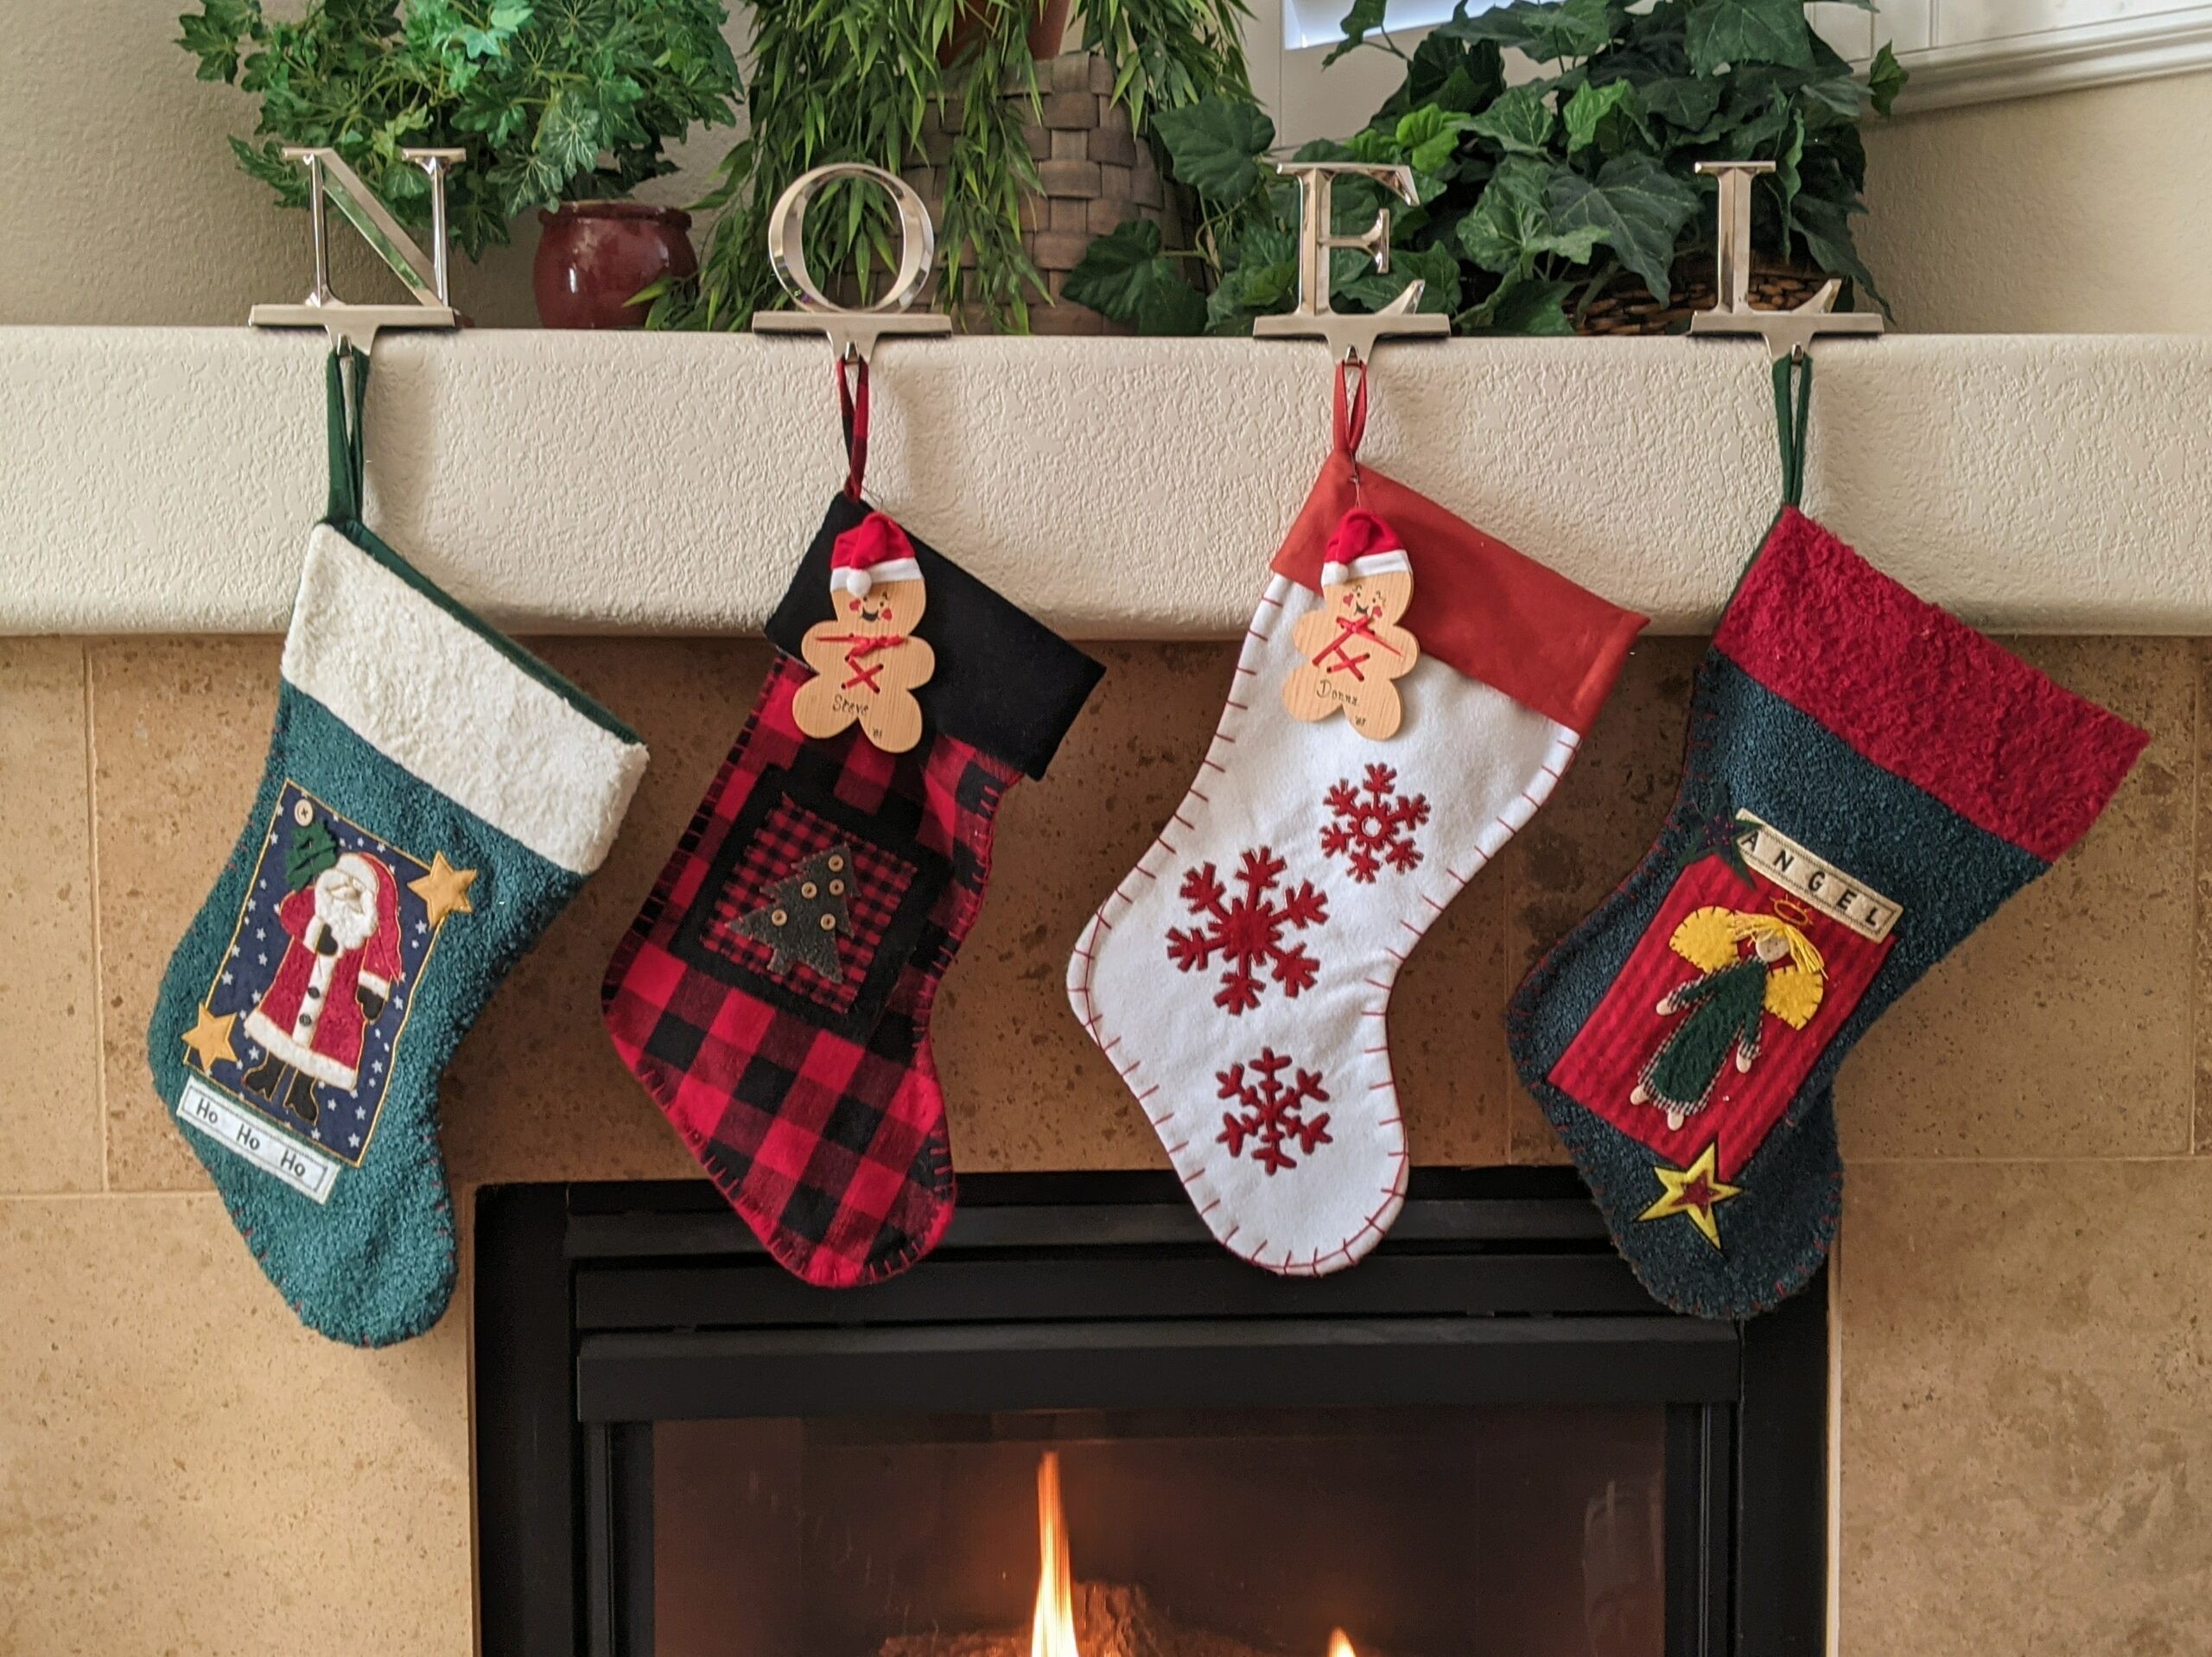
<point>874,551</point>
<point>1363,545</point>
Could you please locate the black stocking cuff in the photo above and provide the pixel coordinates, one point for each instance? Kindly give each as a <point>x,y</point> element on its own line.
<point>1005,682</point>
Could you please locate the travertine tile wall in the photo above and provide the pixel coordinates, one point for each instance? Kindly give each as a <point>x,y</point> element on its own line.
<point>2026,1299</point>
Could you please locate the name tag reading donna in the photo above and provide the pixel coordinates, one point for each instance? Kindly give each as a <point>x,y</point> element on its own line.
<point>1828,888</point>
<point>302,1167</point>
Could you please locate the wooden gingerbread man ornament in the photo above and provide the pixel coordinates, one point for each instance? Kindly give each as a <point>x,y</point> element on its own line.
<point>865,658</point>
<point>1351,649</point>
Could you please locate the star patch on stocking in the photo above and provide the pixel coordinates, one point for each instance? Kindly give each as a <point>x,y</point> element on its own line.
<point>303,1019</point>
<point>1371,827</point>
<point>1247,930</point>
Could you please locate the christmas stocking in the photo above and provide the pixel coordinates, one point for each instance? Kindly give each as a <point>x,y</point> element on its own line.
<point>1239,977</point>
<point>1866,779</point>
<point>434,794</point>
<point>774,994</point>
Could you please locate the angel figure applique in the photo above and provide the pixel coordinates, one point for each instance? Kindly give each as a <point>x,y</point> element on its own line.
<point>1750,964</point>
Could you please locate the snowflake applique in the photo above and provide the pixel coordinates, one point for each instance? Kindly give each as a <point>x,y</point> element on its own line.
<point>1270,1115</point>
<point>1247,930</point>
<point>1371,828</point>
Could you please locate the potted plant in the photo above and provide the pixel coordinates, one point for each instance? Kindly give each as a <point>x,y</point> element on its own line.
<point>1568,200</point>
<point>924,84</point>
<point>562,106</point>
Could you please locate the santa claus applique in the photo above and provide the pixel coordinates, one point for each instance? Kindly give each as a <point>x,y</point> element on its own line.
<point>340,959</point>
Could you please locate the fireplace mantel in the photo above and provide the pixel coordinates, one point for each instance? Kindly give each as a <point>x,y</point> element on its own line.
<point>160,480</point>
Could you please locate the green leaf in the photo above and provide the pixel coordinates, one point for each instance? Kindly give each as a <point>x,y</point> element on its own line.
<point>1365,15</point>
<point>1682,101</point>
<point>1826,228</point>
<point>1118,269</point>
<point>1611,117</point>
<point>1885,78</point>
<point>313,849</point>
<point>1514,223</point>
<point>1635,207</point>
<point>1554,31</point>
<point>1520,122</point>
<point>1522,305</point>
<point>1215,144</point>
<point>1728,33</point>
<point>1170,304</point>
<point>1429,136</point>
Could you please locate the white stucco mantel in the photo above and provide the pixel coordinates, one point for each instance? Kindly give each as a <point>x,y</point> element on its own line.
<point>163,480</point>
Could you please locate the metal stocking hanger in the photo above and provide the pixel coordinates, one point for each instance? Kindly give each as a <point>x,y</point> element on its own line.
<point>1351,338</point>
<point>1787,334</point>
<point>853,332</point>
<point>330,181</point>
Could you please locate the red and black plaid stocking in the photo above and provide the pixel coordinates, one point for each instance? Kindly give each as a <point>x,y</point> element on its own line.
<point>774,994</point>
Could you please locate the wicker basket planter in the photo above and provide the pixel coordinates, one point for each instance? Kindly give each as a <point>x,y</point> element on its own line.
<point>1626,306</point>
<point>1095,174</point>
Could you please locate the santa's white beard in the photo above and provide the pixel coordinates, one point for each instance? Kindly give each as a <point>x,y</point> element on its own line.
<point>344,910</point>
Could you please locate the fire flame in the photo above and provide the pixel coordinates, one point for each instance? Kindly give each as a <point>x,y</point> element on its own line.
<point>1339,1646</point>
<point>1051,1630</point>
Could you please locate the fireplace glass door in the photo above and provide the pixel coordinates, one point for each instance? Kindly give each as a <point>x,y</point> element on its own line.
<point>1080,1429</point>
<point>1512,1530</point>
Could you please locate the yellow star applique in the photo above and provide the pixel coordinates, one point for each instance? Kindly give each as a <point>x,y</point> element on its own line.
<point>1695,1190</point>
<point>444,889</point>
<point>209,1039</point>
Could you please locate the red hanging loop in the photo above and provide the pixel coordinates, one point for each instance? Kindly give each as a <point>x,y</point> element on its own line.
<point>852,410</point>
<point>1351,415</point>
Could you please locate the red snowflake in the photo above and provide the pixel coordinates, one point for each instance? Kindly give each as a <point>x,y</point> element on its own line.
<point>1371,827</point>
<point>1247,930</point>
<point>1270,1115</point>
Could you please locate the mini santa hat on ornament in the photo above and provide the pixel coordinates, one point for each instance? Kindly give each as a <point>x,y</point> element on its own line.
<point>872,552</point>
<point>1363,545</point>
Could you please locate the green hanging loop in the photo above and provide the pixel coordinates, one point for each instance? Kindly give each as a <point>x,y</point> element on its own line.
<point>346,393</point>
<point>1790,421</point>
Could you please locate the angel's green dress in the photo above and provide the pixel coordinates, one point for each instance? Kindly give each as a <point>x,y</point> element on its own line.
<point>1724,1008</point>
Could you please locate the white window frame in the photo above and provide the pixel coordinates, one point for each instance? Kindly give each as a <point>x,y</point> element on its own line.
<point>1958,51</point>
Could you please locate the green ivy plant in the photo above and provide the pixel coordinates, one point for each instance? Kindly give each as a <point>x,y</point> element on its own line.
<point>1533,197</point>
<point>855,80</point>
<point>552,100</point>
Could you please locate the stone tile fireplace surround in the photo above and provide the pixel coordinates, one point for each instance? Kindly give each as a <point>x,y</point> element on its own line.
<point>2023,1294</point>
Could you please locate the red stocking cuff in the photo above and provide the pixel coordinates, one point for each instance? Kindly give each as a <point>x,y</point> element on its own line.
<point>1484,609</point>
<point>1923,694</point>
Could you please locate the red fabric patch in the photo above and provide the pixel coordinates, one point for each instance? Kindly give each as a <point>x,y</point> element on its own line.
<point>1923,694</point>
<point>1606,1059</point>
<point>1478,605</point>
<point>789,837</point>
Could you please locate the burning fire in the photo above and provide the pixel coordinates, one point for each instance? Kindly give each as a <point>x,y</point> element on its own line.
<point>1051,1630</point>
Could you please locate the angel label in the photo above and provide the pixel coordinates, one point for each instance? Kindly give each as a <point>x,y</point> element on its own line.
<point>1750,964</point>
<point>865,658</point>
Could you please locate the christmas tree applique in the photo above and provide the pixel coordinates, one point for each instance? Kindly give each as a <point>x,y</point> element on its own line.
<point>806,914</point>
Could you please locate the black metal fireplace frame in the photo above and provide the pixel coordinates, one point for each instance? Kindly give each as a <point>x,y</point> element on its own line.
<point>601,1308</point>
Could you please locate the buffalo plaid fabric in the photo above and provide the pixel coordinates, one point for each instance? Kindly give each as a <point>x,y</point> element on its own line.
<point>813,1102</point>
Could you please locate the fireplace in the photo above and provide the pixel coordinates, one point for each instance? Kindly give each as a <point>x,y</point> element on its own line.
<point>1081,1430</point>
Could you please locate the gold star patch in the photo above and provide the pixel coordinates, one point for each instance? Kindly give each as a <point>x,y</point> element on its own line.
<point>444,889</point>
<point>209,1039</point>
<point>1695,1190</point>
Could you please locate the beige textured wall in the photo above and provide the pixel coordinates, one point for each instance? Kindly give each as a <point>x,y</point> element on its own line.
<point>2079,213</point>
<point>2025,1302</point>
<point>119,201</point>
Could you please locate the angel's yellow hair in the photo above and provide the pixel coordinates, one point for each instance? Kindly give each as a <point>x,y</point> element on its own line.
<point>1802,953</point>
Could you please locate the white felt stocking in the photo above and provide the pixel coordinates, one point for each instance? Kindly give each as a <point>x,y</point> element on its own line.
<point>1239,977</point>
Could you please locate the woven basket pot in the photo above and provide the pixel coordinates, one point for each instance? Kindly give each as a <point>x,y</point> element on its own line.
<point>1096,175</point>
<point>1626,305</point>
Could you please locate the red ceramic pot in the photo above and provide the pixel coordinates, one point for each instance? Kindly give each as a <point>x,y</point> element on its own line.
<point>594,255</point>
